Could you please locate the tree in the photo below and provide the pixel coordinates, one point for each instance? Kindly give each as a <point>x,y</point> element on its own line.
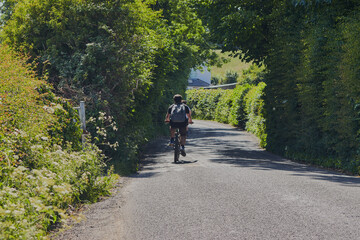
<point>126,58</point>
<point>241,27</point>
<point>309,50</point>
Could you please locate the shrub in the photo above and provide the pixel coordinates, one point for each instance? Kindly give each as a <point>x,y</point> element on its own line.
<point>242,107</point>
<point>203,103</point>
<point>215,80</point>
<point>223,107</point>
<point>254,106</point>
<point>42,170</point>
<point>254,75</point>
<point>230,77</point>
<point>237,115</point>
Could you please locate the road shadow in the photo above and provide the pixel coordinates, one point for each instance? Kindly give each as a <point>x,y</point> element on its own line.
<point>185,162</point>
<point>157,156</point>
<point>265,161</point>
<point>234,147</point>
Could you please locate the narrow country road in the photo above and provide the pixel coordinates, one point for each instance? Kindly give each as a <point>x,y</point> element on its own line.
<point>227,188</point>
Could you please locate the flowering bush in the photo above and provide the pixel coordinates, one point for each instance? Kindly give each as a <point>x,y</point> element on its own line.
<point>43,168</point>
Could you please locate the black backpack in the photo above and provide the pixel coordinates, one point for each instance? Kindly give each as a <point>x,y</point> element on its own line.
<point>178,113</point>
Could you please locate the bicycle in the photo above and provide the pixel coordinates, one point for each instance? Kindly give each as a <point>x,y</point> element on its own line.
<point>177,140</point>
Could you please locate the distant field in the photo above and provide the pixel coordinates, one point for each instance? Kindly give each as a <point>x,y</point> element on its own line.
<point>235,65</point>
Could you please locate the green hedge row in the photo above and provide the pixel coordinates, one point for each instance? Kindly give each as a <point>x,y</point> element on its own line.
<point>312,95</point>
<point>242,107</point>
<point>43,168</point>
<point>311,52</point>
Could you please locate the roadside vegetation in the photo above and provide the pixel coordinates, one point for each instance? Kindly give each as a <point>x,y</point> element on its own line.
<point>125,59</point>
<point>241,107</point>
<point>310,51</point>
<point>43,168</point>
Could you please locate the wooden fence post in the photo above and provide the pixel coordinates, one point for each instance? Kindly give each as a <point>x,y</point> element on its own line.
<point>82,116</point>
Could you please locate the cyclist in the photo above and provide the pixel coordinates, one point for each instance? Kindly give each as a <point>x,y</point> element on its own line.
<point>179,116</point>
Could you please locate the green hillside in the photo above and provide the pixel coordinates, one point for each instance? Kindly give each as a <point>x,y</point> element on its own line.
<point>232,64</point>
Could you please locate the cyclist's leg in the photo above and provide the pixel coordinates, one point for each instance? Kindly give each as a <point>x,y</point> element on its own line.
<point>172,132</point>
<point>182,140</point>
<point>173,127</point>
<point>183,135</point>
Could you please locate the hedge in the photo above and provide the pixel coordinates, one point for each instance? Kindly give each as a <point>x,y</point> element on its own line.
<point>43,169</point>
<point>241,107</point>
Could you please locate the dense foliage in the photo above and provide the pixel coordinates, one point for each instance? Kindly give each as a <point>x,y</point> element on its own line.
<point>310,50</point>
<point>126,59</point>
<point>242,107</point>
<point>42,166</point>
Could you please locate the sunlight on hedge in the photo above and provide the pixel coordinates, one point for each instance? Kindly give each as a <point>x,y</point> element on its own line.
<point>241,107</point>
<point>41,173</point>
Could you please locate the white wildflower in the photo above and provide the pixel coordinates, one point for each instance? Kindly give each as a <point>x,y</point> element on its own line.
<point>44,138</point>
<point>57,147</point>
<point>11,191</point>
<point>47,181</point>
<point>36,147</point>
<point>41,190</point>
<point>48,109</point>
<point>62,189</point>
<point>102,114</point>
<point>30,177</point>
<point>60,152</point>
<point>84,176</point>
<point>22,168</point>
<point>49,173</point>
<point>114,127</point>
<point>36,172</point>
<point>58,106</point>
<point>37,204</point>
<point>91,119</point>
<point>18,212</point>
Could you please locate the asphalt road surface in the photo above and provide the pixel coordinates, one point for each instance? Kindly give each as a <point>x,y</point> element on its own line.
<point>225,188</point>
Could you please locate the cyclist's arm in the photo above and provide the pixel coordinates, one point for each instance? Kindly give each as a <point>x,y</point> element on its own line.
<point>167,118</point>
<point>189,117</point>
<point>188,114</point>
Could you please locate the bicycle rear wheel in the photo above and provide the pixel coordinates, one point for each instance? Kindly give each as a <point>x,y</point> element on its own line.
<point>176,147</point>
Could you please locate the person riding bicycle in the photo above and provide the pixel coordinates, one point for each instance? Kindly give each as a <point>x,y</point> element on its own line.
<point>179,116</point>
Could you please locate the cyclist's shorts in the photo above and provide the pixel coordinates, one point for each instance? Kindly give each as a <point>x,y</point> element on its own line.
<point>181,126</point>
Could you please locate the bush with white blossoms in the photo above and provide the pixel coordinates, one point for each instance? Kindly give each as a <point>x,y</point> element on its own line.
<point>31,201</point>
<point>43,168</point>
